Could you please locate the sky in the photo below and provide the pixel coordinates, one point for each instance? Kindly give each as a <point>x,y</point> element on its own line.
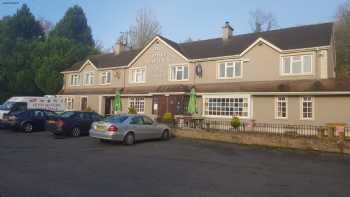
<point>179,19</point>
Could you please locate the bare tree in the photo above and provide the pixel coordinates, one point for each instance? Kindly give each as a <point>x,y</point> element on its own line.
<point>342,40</point>
<point>262,21</point>
<point>146,27</point>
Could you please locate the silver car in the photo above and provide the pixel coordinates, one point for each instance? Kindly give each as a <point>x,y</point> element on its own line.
<point>129,129</point>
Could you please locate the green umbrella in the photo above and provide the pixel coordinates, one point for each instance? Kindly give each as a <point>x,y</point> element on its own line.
<point>117,102</point>
<point>192,104</point>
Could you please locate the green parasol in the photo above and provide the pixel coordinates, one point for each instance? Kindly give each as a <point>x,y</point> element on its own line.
<point>117,102</point>
<point>192,104</point>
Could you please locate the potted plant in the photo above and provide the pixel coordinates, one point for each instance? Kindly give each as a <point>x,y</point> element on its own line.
<point>132,110</point>
<point>168,118</point>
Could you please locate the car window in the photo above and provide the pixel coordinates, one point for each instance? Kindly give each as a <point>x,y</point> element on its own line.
<point>20,107</point>
<point>67,114</point>
<point>96,117</point>
<point>147,120</point>
<point>50,114</point>
<point>116,119</point>
<point>39,114</point>
<point>137,120</point>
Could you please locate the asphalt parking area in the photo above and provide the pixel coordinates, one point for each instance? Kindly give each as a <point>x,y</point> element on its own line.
<point>37,165</point>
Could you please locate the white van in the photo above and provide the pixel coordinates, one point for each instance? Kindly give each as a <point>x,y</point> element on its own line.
<point>52,103</point>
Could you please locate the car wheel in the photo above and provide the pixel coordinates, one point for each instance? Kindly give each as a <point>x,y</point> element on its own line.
<point>76,132</point>
<point>129,139</point>
<point>27,127</point>
<point>166,135</point>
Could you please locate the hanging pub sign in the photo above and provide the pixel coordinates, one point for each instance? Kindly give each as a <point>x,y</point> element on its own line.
<point>199,70</point>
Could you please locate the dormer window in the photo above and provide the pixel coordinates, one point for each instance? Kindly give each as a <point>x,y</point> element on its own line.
<point>89,78</point>
<point>75,80</point>
<point>296,65</point>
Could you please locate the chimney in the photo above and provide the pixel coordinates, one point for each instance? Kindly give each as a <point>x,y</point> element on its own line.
<point>227,31</point>
<point>119,48</point>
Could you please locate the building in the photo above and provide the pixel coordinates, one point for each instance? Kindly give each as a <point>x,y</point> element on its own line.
<point>285,75</point>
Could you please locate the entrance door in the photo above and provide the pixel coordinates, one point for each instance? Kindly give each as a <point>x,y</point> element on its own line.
<point>83,103</point>
<point>108,106</point>
<point>176,104</point>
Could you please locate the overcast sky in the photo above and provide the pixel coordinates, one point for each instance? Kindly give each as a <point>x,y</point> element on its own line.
<point>180,19</point>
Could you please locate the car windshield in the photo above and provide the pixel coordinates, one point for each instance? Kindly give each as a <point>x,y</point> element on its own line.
<point>116,119</point>
<point>7,105</point>
<point>67,114</point>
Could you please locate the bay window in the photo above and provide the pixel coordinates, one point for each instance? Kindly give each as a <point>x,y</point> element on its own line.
<point>75,80</point>
<point>178,72</point>
<point>138,103</point>
<point>137,75</point>
<point>226,106</point>
<point>230,70</point>
<point>296,65</point>
<point>106,77</point>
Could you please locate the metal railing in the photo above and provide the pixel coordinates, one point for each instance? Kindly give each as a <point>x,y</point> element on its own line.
<point>263,128</point>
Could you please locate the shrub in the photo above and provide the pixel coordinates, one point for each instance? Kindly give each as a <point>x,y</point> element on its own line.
<point>132,110</point>
<point>88,109</point>
<point>235,122</point>
<point>168,117</point>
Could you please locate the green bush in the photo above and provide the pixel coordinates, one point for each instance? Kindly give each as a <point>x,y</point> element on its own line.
<point>168,117</point>
<point>235,122</point>
<point>132,110</point>
<point>88,109</point>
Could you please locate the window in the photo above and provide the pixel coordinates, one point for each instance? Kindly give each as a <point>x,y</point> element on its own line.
<point>137,75</point>
<point>75,80</point>
<point>297,65</point>
<point>307,106</point>
<point>230,70</point>
<point>178,72</point>
<point>227,106</point>
<point>147,120</point>
<point>106,77</point>
<point>281,107</point>
<point>69,103</point>
<point>138,103</point>
<point>89,78</point>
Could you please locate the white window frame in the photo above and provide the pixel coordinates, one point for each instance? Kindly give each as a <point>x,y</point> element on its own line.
<point>104,75</point>
<point>282,71</point>
<point>233,67</point>
<point>302,108</point>
<point>277,101</point>
<point>69,103</point>
<point>75,80</point>
<point>138,100</point>
<point>89,78</point>
<point>177,68</point>
<point>230,96</point>
<point>135,71</point>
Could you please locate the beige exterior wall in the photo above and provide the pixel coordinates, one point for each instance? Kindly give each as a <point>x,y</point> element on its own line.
<point>328,109</point>
<point>157,60</point>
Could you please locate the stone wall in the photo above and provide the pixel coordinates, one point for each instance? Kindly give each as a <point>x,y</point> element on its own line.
<point>335,145</point>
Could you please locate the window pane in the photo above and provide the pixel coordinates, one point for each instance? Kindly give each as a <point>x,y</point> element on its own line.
<point>173,73</point>
<point>179,74</point>
<point>238,69</point>
<point>296,65</point>
<point>186,72</point>
<point>229,71</point>
<point>286,64</point>
<point>222,70</point>
<point>307,64</point>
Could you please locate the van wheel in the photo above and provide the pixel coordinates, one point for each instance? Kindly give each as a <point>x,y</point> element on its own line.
<point>76,132</point>
<point>28,127</point>
<point>166,135</point>
<point>129,139</point>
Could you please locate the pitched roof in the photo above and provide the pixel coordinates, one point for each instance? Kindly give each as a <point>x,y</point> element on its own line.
<point>325,85</point>
<point>288,38</point>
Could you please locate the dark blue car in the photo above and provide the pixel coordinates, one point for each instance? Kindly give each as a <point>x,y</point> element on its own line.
<point>29,120</point>
<point>72,123</point>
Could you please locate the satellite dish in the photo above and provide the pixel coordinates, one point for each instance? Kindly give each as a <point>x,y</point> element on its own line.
<point>199,70</point>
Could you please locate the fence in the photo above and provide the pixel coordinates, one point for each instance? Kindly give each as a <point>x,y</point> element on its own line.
<point>263,128</point>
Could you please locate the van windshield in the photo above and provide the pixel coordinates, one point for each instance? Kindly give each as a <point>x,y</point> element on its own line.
<point>7,105</point>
